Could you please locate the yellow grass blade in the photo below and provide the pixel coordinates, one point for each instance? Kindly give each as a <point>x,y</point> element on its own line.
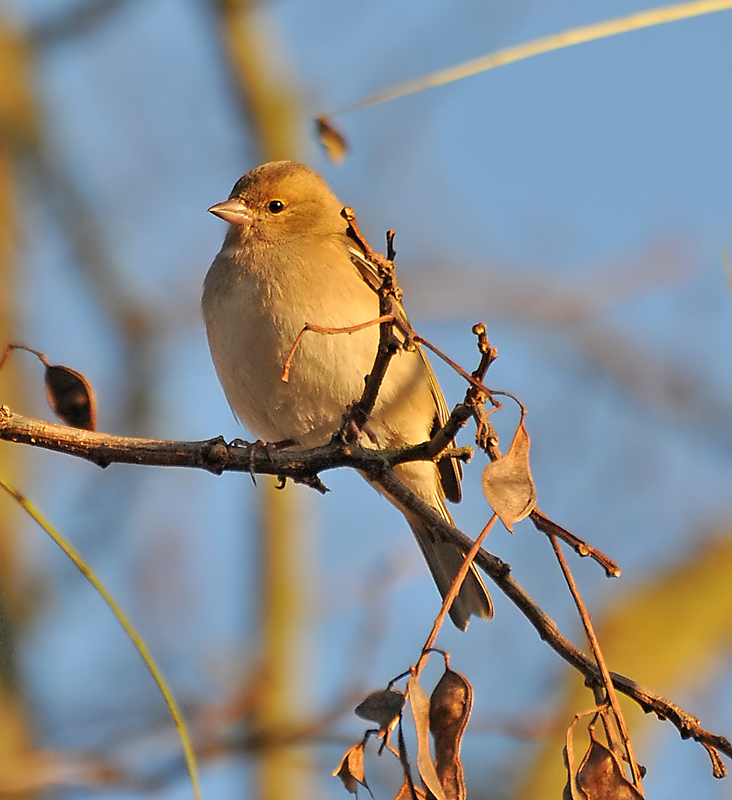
<point>136,640</point>
<point>546,44</point>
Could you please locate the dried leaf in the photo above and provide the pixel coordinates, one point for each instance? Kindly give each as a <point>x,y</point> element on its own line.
<point>404,760</point>
<point>71,397</point>
<point>507,483</point>
<point>600,776</point>
<point>351,771</point>
<point>409,791</point>
<point>570,791</point>
<point>331,140</point>
<point>450,706</point>
<point>382,707</point>
<point>420,705</point>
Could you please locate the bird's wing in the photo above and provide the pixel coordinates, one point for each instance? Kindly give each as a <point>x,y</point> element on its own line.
<point>451,471</point>
<point>365,268</point>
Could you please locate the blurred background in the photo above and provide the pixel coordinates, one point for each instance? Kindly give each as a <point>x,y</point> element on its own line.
<point>578,202</point>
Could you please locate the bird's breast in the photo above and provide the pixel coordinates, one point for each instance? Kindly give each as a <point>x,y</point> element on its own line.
<point>252,323</point>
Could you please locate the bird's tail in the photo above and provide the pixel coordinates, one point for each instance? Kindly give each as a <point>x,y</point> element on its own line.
<point>444,560</point>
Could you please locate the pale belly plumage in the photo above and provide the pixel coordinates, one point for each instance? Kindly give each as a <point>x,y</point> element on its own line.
<point>327,371</point>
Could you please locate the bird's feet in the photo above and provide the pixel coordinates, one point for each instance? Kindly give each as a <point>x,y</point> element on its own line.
<point>258,447</point>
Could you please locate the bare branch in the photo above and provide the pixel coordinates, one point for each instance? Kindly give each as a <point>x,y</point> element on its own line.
<point>215,455</point>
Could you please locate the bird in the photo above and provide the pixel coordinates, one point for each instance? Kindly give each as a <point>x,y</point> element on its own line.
<point>287,260</point>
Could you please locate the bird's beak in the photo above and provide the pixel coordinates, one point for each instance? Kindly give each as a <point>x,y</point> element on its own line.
<point>233,211</point>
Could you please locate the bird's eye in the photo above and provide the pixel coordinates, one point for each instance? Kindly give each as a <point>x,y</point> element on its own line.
<point>275,206</point>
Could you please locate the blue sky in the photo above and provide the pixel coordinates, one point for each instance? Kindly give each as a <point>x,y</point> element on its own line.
<point>600,173</point>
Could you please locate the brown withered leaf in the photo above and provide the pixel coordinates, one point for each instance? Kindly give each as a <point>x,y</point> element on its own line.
<point>351,770</point>
<point>420,705</point>
<point>409,791</point>
<point>383,707</point>
<point>71,397</point>
<point>507,483</point>
<point>570,791</point>
<point>450,706</point>
<point>403,757</point>
<point>331,140</point>
<point>601,776</point>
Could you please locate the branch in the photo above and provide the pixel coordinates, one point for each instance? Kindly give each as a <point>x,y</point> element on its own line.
<point>688,725</point>
<point>216,456</point>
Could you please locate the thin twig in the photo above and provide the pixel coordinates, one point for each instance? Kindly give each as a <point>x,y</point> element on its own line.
<point>452,593</point>
<point>12,346</point>
<point>309,326</point>
<point>389,315</point>
<point>599,660</point>
<point>551,528</point>
<point>460,371</point>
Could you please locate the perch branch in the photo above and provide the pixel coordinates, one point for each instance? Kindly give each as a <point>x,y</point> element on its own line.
<point>216,456</point>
